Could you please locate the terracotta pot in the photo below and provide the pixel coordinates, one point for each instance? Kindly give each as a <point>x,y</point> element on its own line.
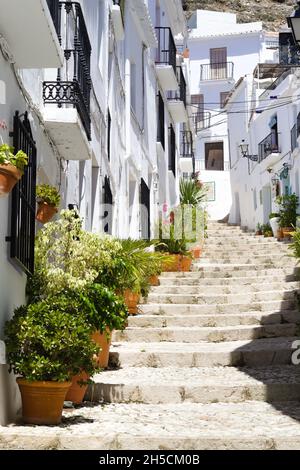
<point>76,392</point>
<point>196,252</point>
<point>184,263</point>
<point>172,265</point>
<point>154,281</point>
<point>287,231</point>
<point>258,232</point>
<point>42,402</point>
<point>45,212</point>
<point>9,176</point>
<point>279,234</point>
<point>131,300</point>
<point>101,340</point>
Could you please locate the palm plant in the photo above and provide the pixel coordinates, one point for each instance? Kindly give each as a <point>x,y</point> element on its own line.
<point>192,192</point>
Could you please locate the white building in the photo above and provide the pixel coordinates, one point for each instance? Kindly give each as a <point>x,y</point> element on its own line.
<point>221,52</point>
<point>94,93</point>
<point>264,112</point>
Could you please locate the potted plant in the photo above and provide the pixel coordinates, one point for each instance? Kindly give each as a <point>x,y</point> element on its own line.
<point>287,213</point>
<point>48,199</point>
<point>258,229</point>
<point>266,230</point>
<point>11,168</point>
<point>47,344</point>
<point>177,249</point>
<point>274,222</point>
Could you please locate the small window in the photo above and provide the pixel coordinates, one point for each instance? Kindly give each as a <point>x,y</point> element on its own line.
<point>223,97</point>
<point>214,156</point>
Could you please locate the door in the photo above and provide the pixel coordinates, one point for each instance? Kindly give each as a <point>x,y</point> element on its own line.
<point>145,211</point>
<point>267,202</point>
<point>218,63</point>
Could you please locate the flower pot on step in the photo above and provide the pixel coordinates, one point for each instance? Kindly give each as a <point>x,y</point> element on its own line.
<point>287,232</point>
<point>184,263</point>
<point>45,212</point>
<point>77,391</point>
<point>196,252</point>
<point>172,264</point>
<point>154,281</point>
<point>42,402</point>
<point>131,299</point>
<point>104,341</point>
<point>9,176</point>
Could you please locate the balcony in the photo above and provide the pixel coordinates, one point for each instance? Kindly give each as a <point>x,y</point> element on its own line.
<point>216,71</point>
<point>186,145</point>
<point>288,50</point>
<point>269,149</point>
<point>165,62</point>
<point>67,99</point>
<point>28,26</point>
<point>117,17</point>
<point>177,99</point>
<point>202,121</point>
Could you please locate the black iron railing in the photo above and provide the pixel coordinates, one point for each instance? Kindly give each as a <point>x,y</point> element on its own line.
<point>268,145</point>
<point>23,199</point>
<point>186,144</point>
<point>145,211</point>
<point>180,94</point>
<point>161,121</point>
<point>202,120</point>
<point>172,150</point>
<point>294,137</point>
<point>166,51</point>
<point>216,71</point>
<point>73,84</point>
<point>53,6</point>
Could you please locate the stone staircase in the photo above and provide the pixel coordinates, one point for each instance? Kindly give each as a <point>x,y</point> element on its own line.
<point>206,364</point>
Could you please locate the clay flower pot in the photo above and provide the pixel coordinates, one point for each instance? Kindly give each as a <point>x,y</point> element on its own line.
<point>154,281</point>
<point>45,212</point>
<point>287,232</point>
<point>196,252</point>
<point>172,264</point>
<point>42,402</point>
<point>184,264</point>
<point>131,299</point>
<point>104,341</point>
<point>9,176</point>
<point>76,392</point>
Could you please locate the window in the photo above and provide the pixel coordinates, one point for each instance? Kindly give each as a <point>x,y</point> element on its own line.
<point>223,97</point>
<point>161,121</point>
<point>197,102</point>
<point>145,210</point>
<point>172,150</point>
<point>108,206</point>
<point>214,156</point>
<point>218,63</point>
<point>23,199</point>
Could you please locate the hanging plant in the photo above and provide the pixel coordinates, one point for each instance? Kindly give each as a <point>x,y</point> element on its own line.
<point>11,168</point>
<point>48,202</point>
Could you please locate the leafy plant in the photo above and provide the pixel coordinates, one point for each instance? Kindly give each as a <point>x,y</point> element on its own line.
<point>192,192</point>
<point>168,241</point>
<point>48,194</point>
<point>287,210</point>
<point>295,245</point>
<point>266,230</point>
<point>274,215</point>
<point>7,156</point>
<point>50,340</point>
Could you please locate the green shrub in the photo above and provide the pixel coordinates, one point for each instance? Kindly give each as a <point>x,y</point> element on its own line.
<point>274,215</point>
<point>287,210</point>
<point>48,194</point>
<point>50,340</point>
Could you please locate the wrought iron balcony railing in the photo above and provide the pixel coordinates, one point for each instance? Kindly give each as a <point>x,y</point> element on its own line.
<point>180,94</point>
<point>216,71</point>
<point>201,120</point>
<point>73,84</point>
<point>166,51</point>
<point>53,6</point>
<point>186,145</point>
<point>268,145</point>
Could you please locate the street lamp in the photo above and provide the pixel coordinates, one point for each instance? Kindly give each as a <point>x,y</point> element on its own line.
<point>294,24</point>
<point>244,148</point>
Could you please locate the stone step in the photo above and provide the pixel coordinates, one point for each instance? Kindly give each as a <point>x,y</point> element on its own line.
<point>196,385</point>
<point>229,270</point>
<point>204,309</point>
<point>257,352</point>
<point>255,318</point>
<point>277,259</point>
<point>219,281</point>
<point>221,289</point>
<point>208,299</point>
<point>248,425</point>
<point>179,334</point>
<point>261,251</point>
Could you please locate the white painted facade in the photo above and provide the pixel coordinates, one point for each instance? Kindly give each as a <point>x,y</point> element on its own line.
<point>255,189</point>
<point>125,85</point>
<point>235,49</point>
